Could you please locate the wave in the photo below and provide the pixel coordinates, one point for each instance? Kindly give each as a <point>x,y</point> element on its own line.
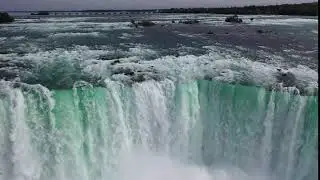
<point>61,68</point>
<point>65,26</point>
<point>69,34</point>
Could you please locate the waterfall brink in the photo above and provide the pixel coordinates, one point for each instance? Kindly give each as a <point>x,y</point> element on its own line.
<point>156,130</point>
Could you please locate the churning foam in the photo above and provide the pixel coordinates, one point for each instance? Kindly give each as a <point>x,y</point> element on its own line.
<point>66,26</point>
<point>141,165</point>
<point>94,34</point>
<point>218,63</point>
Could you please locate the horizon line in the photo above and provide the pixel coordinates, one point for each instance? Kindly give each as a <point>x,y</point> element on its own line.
<point>154,9</point>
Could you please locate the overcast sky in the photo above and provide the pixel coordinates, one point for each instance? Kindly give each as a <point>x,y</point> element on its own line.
<point>31,5</point>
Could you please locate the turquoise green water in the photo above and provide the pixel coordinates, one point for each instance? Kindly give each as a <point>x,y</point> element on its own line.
<point>85,133</point>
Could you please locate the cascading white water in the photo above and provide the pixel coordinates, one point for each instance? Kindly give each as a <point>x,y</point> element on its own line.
<point>200,130</point>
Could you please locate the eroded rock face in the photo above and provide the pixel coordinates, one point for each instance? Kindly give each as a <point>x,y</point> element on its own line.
<point>146,23</point>
<point>286,77</point>
<point>5,18</point>
<point>190,21</point>
<point>234,19</point>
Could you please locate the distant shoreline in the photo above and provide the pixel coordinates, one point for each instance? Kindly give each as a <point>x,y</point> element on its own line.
<point>303,9</point>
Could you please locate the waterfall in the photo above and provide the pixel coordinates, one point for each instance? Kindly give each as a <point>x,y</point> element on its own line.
<point>156,130</point>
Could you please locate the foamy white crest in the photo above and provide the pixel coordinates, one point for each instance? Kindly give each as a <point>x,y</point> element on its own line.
<point>2,39</point>
<point>284,21</point>
<point>18,38</point>
<point>67,26</point>
<point>65,19</point>
<point>219,63</point>
<point>187,35</point>
<point>141,50</point>
<point>27,20</point>
<point>94,34</point>
<point>129,36</point>
<point>305,76</point>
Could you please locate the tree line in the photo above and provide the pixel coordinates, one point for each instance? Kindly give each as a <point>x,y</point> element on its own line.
<point>303,9</point>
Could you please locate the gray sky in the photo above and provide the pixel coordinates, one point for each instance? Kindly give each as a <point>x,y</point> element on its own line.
<point>8,5</point>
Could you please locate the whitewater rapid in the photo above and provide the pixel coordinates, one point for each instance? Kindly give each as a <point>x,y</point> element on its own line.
<point>201,130</point>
